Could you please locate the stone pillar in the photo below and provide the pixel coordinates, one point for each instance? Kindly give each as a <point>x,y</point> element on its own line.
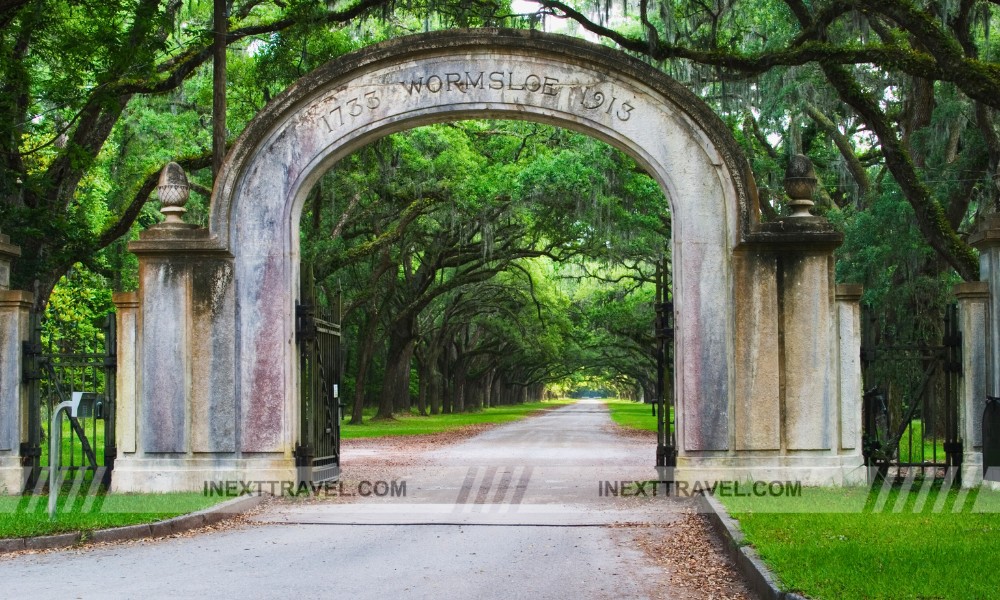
<point>177,411</point>
<point>973,299</point>
<point>987,241</point>
<point>127,381</point>
<point>797,402</point>
<point>177,407</point>
<point>8,252</point>
<point>798,382</point>
<point>15,307</point>
<point>849,350</point>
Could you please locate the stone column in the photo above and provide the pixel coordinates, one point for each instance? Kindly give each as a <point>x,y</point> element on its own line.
<point>177,409</point>
<point>987,241</point>
<point>849,350</point>
<point>15,307</point>
<point>127,382</point>
<point>973,299</point>
<point>177,412</point>
<point>798,383</point>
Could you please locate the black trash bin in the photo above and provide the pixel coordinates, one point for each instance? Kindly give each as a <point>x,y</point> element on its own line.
<point>991,439</point>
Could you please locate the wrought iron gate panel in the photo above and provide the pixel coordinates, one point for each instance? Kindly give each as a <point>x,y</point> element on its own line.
<point>318,451</point>
<point>910,404</point>
<point>666,445</point>
<point>53,373</point>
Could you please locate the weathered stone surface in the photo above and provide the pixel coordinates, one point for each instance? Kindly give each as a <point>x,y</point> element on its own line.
<point>213,368</point>
<point>126,384</point>
<point>757,420</point>
<point>973,300</point>
<point>809,408</point>
<point>14,307</point>
<point>163,410</point>
<point>851,386</point>
<point>8,252</point>
<point>987,241</point>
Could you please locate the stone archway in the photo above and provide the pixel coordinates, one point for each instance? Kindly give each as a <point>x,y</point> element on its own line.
<point>767,382</point>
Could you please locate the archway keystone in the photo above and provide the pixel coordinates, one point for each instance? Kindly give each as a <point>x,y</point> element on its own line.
<point>753,302</point>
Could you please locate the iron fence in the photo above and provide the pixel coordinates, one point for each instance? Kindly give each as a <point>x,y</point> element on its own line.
<point>910,404</point>
<point>55,369</point>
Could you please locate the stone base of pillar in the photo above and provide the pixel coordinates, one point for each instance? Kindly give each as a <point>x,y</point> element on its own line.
<point>972,469</point>
<point>12,476</point>
<point>200,474</point>
<point>809,469</point>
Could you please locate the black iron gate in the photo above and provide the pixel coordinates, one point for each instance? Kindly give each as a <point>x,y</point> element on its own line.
<point>317,454</point>
<point>910,405</point>
<point>58,370</point>
<point>666,448</point>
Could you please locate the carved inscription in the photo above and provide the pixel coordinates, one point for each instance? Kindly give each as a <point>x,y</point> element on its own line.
<point>496,80</point>
<point>597,100</point>
<point>591,100</point>
<point>352,109</point>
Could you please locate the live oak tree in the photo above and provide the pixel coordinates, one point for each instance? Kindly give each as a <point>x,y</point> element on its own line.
<point>894,101</point>
<point>72,73</point>
<point>465,260</point>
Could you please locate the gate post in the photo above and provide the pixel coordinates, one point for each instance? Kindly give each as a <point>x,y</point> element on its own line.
<point>126,377</point>
<point>15,307</point>
<point>987,241</point>
<point>973,298</point>
<point>798,400</point>
<point>176,412</point>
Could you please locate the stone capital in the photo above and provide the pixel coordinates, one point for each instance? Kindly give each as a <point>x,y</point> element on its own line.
<point>16,299</point>
<point>177,239</point>
<point>8,250</point>
<point>988,235</point>
<point>125,300</point>
<point>849,292</point>
<point>801,235</point>
<point>971,290</point>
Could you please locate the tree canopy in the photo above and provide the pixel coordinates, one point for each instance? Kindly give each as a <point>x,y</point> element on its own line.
<point>477,234</point>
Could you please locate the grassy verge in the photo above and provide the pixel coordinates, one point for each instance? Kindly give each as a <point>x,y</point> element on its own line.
<point>414,424</point>
<point>24,516</point>
<point>852,543</point>
<point>634,415</point>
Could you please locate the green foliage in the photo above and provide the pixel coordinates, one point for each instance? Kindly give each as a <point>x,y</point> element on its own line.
<point>499,249</point>
<point>77,312</point>
<point>884,251</point>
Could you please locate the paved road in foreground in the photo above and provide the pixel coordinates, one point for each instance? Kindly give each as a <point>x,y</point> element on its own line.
<point>526,510</point>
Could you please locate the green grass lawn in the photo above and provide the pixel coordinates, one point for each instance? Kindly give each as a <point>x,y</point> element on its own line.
<point>23,516</point>
<point>849,543</point>
<point>634,415</point>
<point>72,450</point>
<point>922,451</point>
<point>414,424</point>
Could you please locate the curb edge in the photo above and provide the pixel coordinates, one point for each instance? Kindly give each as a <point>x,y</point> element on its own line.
<point>178,524</point>
<point>758,576</point>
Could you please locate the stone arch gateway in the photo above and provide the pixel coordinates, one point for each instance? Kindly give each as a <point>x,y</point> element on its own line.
<point>767,376</point>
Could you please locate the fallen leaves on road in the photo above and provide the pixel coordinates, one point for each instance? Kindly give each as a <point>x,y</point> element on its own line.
<point>691,556</point>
